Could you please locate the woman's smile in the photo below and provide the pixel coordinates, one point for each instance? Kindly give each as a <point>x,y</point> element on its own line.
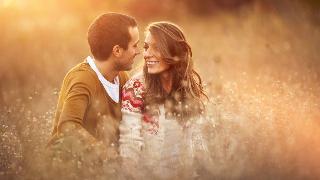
<point>150,63</point>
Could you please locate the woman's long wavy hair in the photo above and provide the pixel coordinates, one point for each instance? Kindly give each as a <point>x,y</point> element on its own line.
<point>187,96</point>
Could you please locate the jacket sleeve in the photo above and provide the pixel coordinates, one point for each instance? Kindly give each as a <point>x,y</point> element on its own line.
<point>71,135</point>
<point>79,92</point>
<point>131,141</point>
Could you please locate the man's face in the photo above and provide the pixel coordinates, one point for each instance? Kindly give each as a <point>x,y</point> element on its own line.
<point>126,61</point>
<point>155,64</point>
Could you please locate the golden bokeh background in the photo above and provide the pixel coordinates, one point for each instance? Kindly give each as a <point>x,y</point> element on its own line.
<point>259,59</point>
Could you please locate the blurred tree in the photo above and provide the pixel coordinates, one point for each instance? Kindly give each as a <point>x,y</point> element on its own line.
<point>315,10</point>
<point>147,9</point>
<point>206,7</point>
<point>314,3</point>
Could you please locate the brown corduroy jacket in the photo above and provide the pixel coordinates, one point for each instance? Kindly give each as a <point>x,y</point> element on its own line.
<point>84,103</point>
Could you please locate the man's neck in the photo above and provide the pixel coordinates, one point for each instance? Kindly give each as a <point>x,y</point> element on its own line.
<point>107,69</point>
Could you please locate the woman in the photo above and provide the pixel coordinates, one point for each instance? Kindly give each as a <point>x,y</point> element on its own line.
<point>162,125</point>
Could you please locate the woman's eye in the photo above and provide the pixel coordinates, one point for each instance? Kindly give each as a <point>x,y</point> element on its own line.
<point>156,48</point>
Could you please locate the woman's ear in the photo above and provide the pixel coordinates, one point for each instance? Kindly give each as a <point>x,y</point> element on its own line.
<point>117,51</point>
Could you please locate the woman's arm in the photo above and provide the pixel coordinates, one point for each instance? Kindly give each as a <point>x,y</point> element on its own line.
<point>131,140</point>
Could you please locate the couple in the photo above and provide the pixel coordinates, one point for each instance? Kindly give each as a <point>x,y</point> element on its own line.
<point>153,119</point>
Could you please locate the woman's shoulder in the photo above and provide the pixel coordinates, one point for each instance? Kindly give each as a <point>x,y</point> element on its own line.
<point>133,94</point>
<point>137,77</point>
<point>136,81</point>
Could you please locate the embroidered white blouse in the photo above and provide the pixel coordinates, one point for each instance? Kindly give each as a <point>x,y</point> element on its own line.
<point>159,143</point>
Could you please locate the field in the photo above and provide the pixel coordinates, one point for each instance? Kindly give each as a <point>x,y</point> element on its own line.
<point>260,64</point>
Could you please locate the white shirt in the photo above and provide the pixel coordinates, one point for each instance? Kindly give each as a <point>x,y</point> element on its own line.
<point>112,89</point>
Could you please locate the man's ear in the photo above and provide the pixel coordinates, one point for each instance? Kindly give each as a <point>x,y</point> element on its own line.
<point>117,51</point>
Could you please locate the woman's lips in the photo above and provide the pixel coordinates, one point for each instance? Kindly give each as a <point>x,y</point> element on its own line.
<point>152,62</point>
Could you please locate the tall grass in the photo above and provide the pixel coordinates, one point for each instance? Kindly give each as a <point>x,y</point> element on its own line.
<point>261,69</point>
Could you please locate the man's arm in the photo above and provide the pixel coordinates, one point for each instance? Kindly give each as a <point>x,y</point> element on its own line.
<point>80,90</point>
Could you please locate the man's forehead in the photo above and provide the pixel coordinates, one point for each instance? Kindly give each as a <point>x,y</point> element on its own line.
<point>133,30</point>
<point>134,33</point>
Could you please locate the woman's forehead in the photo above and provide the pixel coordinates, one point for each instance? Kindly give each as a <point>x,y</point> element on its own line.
<point>149,38</point>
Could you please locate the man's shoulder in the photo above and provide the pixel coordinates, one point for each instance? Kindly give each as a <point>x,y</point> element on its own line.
<point>81,73</point>
<point>80,67</point>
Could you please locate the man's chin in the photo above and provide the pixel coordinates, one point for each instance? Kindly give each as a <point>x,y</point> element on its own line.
<point>127,68</point>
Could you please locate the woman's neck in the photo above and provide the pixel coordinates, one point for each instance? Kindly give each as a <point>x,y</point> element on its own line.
<point>166,81</point>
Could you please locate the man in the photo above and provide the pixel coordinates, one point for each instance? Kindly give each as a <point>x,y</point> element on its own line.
<point>86,124</point>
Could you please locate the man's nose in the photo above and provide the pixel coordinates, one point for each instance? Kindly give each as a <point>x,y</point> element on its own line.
<point>138,51</point>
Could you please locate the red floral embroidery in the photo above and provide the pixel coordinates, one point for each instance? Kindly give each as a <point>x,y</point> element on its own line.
<point>137,84</point>
<point>132,100</point>
<point>153,121</point>
<point>128,95</point>
<point>132,96</point>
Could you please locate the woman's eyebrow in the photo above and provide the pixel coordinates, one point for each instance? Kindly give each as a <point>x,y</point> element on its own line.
<point>149,44</point>
<point>137,42</point>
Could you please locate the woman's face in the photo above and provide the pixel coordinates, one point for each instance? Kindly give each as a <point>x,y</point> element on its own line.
<point>155,64</point>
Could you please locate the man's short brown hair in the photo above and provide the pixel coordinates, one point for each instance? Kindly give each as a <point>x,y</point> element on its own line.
<point>108,30</point>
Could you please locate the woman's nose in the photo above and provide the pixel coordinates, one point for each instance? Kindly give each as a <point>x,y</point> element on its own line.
<point>146,54</point>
